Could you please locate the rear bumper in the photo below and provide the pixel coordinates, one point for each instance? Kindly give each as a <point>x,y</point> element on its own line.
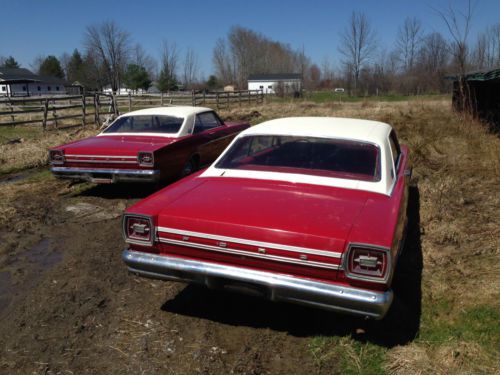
<point>276,287</point>
<point>102,175</point>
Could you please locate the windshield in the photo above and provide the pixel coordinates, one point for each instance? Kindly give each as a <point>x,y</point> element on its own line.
<point>305,155</point>
<point>146,124</point>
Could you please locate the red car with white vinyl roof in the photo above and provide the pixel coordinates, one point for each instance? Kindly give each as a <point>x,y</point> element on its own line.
<point>305,210</point>
<point>147,145</point>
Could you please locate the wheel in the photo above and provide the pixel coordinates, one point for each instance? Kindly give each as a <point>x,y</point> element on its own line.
<point>189,167</point>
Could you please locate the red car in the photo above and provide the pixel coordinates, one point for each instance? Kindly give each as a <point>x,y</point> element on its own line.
<point>146,146</point>
<point>306,210</point>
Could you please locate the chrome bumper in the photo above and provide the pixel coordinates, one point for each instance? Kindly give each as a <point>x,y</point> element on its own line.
<point>101,175</point>
<point>276,287</point>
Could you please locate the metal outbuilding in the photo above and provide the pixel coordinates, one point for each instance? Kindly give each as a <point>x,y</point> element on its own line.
<point>479,95</point>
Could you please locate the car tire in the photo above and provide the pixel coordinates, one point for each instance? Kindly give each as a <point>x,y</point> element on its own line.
<point>189,167</point>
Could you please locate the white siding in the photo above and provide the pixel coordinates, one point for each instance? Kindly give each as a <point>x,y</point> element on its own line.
<point>270,87</point>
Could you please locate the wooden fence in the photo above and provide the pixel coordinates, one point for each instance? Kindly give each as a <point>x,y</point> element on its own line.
<point>51,111</point>
<point>55,111</point>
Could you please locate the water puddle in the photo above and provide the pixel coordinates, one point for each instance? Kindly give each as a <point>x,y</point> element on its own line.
<point>18,176</point>
<point>38,259</point>
<point>40,255</point>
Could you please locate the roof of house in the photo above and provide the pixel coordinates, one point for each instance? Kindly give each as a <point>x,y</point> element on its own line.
<point>482,75</point>
<point>274,77</point>
<point>22,75</point>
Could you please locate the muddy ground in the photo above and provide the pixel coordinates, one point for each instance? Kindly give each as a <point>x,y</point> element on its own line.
<point>69,306</point>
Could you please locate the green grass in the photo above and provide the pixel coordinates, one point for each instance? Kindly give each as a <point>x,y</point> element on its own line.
<point>351,356</point>
<point>8,133</point>
<point>329,96</point>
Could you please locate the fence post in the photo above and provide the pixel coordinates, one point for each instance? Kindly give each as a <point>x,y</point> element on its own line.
<point>239,98</point>
<point>193,100</point>
<point>161,99</point>
<point>227,99</point>
<point>84,110</point>
<point>97,117</point>
<point>45,113</point>
<point>129,102</point>
<point>216,99</point>
<point>113,101</point>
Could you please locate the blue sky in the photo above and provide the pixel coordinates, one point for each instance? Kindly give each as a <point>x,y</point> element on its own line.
<point>30,28</point>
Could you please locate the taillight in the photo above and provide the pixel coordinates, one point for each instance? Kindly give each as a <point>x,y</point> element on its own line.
<point>138,229</point>
<point>56,157</point>
<point>146,159</point>
<point>370,263</point>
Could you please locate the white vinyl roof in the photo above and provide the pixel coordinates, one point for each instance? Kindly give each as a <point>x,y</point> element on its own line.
<point>187,113</point>
<point>177,111</point>
<point>324,127</point>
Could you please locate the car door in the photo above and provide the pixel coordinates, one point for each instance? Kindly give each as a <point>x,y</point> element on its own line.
<point>213,132</point>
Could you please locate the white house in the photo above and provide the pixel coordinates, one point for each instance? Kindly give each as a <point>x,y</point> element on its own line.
<point>285,83</point>
<point>22,82</point>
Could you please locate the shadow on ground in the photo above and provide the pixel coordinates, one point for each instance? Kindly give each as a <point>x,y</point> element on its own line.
<point>122,190</point>
<point>399,327</point>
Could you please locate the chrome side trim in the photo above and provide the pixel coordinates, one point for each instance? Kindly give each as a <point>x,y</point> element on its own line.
<point>295,249</point>
<point>276,287</point>
<point>102,156</point>
<point>249,254</point>
<point>102,161</point>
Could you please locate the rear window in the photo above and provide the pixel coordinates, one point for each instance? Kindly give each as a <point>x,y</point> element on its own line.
<point>146,124</point>
<point>304,155</point>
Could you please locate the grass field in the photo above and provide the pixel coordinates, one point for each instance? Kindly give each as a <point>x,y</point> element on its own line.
<point>454,249</point>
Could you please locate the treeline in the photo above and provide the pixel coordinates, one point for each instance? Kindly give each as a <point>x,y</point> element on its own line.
<point>416,63</point>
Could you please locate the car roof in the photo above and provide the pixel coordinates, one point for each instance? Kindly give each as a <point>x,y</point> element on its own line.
<point>324,127</point>
<point>177,111</point>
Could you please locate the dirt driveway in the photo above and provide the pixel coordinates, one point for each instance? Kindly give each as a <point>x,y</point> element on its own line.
<point>68,304</point>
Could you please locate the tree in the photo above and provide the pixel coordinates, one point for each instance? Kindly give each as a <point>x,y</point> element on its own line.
<point>51,66</point>
<point>136,77</point>
<point>110,47</point>
<point>75,68</point>
<point>190,70</point>
<point>212,82</point>
<point>9,62</point>
<point>357,45</point>
<point>139,57</point>
<point>407,42</point>
<point>167,80</point>
<point>244,52</point>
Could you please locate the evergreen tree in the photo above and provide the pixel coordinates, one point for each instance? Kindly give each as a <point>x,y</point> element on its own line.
<point>76,68</point>
<point>136,77</point>
<point>11,62</point>
<point>51,67</point>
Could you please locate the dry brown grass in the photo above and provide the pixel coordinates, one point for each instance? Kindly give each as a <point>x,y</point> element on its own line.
<point>31,151</point>
<point>456,169</point>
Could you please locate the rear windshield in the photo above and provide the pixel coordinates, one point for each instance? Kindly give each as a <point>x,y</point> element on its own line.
<point>146,124</point>
<point>305,155</point>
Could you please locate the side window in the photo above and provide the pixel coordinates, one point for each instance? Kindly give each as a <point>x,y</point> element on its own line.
<point>205,121</point>
<point>396,151</point>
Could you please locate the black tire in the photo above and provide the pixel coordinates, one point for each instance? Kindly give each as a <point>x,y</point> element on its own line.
<point>189,167</point>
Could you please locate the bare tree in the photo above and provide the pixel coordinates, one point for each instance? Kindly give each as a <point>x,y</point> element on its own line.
<point>37,63</point>
<point>110,46</point>
<point>486,54</point>
<point>139,57</point>
<point>458,24</point>
<point>407,42</point>
<point>167,79</point>
<point>357,45</point>
<point>190,70</point>
<point>224,67</point>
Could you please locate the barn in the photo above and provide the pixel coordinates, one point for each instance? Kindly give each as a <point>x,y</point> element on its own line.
<point>481,96</point>
<point>282,83</point>
<point>22,82</point>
